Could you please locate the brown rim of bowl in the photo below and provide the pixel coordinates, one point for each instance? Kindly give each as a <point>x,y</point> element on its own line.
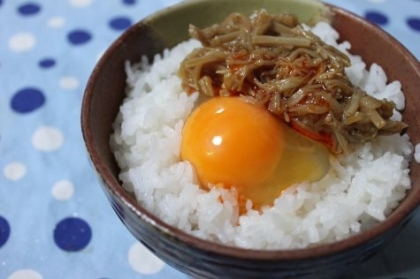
<point>291,254</point>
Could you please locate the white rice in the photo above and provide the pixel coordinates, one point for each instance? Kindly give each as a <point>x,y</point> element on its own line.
<point>362,189</point>
<point>417,153</point>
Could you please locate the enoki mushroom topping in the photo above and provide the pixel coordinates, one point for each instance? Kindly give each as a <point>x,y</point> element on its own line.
<point>272,61</point>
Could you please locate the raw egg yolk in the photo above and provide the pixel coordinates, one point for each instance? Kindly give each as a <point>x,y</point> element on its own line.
<point>232,143</point>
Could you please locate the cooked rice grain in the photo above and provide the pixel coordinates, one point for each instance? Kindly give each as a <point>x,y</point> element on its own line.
<point>362,189</point>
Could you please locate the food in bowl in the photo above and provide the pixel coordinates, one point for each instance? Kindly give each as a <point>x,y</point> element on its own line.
<point>359,185</point>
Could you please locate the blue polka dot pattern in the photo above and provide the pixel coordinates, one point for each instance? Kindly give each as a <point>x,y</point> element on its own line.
<point>29,9</point>
<point>129,2</point>
<point>120,23</point>
<point>78,37</point>
<point>47,63</point>
<point>4,230</point>
<point>414,23</point>
<point>376,17</point>
<point>27,100</point>
<point>72,234</point>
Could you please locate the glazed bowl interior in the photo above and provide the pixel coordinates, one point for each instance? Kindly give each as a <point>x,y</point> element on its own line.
<point>105,93</point>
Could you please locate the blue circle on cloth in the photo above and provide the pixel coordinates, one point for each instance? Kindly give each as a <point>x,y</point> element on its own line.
<point>120,23</point>
<point>4,231</point>
<point>46,63</point>
<point>29,9</point>
<point>414,23</point>
<point>72,234</point>
<point>127,2</point>
<point>376,17</point>
<point>77,37</point>
<point>1,2</point>
<point>27,100</point>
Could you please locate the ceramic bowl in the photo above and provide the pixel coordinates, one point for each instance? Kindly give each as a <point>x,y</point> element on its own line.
<point>202,259</point>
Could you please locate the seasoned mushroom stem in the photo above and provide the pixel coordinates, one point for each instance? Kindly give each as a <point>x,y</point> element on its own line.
<point>271,60</point>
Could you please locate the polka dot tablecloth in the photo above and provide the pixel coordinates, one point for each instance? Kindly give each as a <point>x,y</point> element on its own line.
<point>55,221</point>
